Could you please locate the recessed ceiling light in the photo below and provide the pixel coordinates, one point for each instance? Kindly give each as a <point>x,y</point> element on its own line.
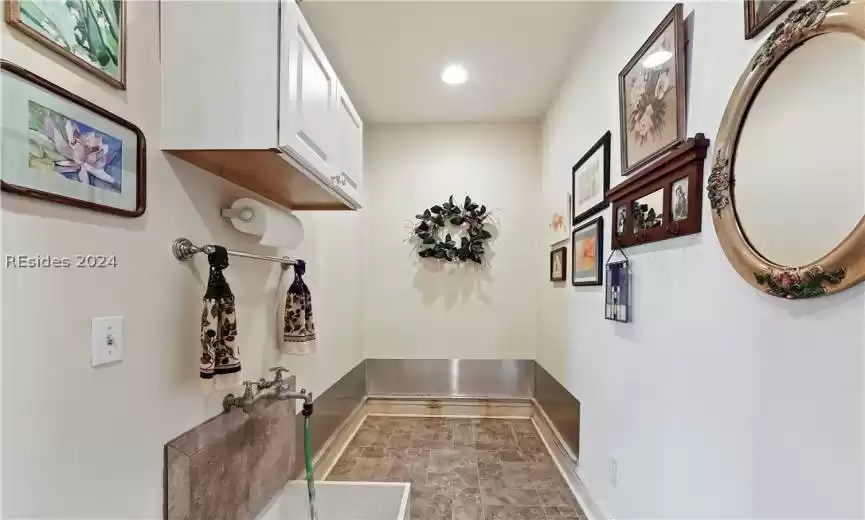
<point>656,59</point>
<point>455,74</point>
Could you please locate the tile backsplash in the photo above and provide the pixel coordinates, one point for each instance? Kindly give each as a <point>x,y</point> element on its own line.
<point>231,466</point>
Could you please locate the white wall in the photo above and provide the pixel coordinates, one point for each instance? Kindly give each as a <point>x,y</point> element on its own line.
<point>717,401</point>
<point>80,442</point>
<point>419,308</point>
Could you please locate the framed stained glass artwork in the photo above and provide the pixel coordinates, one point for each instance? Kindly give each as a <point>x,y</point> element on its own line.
<point>618,294</point>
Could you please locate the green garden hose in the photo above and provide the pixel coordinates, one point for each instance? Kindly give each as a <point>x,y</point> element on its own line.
<point>307,455</point>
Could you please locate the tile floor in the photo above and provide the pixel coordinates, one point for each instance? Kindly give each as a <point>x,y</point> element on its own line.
<point>461,469</point>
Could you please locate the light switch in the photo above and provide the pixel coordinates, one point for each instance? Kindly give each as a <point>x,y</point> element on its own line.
<point>107,340</point>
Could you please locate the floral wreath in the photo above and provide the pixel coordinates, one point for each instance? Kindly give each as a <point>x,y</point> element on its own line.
<point>469,217</point>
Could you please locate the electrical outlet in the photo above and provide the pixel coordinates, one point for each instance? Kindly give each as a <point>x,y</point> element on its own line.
<point>106,340</point>
<point>614,472</point>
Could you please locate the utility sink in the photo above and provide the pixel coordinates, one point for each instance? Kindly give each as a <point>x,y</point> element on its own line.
<point>341,501</point>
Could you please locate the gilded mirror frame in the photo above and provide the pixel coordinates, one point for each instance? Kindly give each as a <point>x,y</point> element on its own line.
<point>843,266</point>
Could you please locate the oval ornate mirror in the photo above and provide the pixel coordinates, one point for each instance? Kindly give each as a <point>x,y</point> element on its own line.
<point>787,187</point>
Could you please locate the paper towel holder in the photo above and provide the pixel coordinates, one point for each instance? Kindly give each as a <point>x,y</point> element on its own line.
<point>245,214</point>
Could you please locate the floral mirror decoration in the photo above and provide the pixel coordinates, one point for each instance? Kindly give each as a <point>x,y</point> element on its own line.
<point>844,265</point>
<point>450,232</point>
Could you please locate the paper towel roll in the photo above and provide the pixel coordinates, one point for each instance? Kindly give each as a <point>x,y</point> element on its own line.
<point>277,228</point>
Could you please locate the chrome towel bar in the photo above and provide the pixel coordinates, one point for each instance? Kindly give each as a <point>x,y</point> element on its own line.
<point>183,249</point>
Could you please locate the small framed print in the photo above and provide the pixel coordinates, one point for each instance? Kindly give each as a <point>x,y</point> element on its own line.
<point>621,220</point>
<point>590,180</point>
<point>587,247</point>
<point>649,212</point>
<point>760,13</point>
<point>679,202</point>
<point>618,294</point>
<point>558,264</point>
<point>59,147</point>
<point>560,221</point>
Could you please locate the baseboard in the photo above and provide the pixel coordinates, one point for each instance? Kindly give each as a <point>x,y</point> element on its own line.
<point>449,407</point>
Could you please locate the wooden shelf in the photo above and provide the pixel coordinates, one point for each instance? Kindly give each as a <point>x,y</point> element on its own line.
<point>268,174</point>
<point>682,162</point>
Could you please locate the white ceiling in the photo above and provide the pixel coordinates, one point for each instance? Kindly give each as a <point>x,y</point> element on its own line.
<point>389,55</point>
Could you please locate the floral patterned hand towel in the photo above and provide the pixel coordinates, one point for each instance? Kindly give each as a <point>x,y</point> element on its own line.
<point>220,358</point>
<point>298,333</point>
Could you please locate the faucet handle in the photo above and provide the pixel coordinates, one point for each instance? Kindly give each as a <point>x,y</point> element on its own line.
<point>249,385</point>
<point>278,370</point>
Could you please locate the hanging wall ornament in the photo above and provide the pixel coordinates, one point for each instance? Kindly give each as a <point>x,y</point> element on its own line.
<point>618,294</point>
<point>451,232</point>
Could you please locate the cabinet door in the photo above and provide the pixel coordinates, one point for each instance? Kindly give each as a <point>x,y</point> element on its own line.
<point>350,128</point>
<point>307,122</point>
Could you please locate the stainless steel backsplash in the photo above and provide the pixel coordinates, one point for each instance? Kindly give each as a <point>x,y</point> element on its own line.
<point>330,410</point>
<point>562,408</point>
<point>450,377</point>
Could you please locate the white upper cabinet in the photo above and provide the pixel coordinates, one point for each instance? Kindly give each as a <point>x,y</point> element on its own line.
<point>350,131</point>
<point>307,123</point>
<point>248,94</point>
<point>219,74</point>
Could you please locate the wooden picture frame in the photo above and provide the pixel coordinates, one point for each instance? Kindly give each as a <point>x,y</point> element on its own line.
<point>600,151</point>
<point>754,22</point>
<point>587,245</point>
<point>637,94</point>
<point>682,167</point>
<point>14,19</point>
<point>561,252</point>
<point>63,165</point>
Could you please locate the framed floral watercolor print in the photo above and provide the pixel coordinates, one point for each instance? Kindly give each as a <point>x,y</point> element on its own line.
<point>652,95</point>
<point>587,247</point>
<point>90,33</point>
<point>760,13</point>
<point>558,264</point>
<point>60,147</point>
<point>590,180</point>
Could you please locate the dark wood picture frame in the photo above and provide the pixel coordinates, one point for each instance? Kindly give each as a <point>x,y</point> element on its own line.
<point>602,143</point>
<point>13,18</point>
<point>564,252</point>
<point>674,17</point>
<point>683,162</point>
<point>753,25</point>
<point>141,155</point>
<point>598,223</point>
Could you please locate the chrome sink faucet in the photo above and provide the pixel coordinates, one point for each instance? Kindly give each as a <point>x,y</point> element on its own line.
<point>281,390</point>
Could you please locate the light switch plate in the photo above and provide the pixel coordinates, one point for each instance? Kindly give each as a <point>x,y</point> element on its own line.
<point>107,340</point>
